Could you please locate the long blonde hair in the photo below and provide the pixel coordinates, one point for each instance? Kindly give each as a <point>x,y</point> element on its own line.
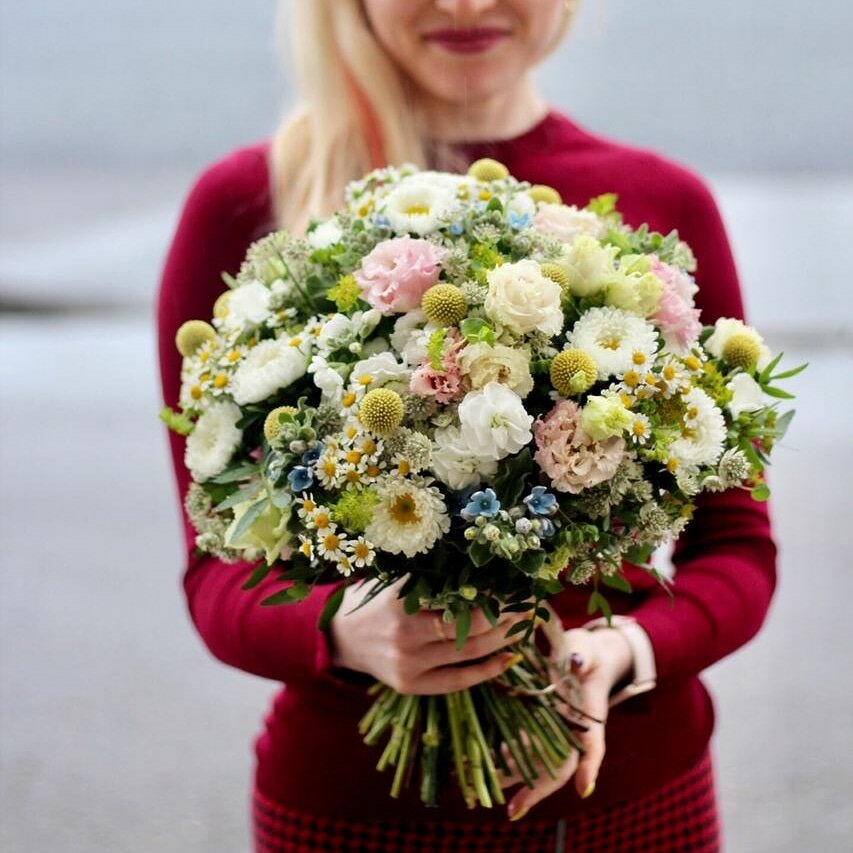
<point>339,132</point>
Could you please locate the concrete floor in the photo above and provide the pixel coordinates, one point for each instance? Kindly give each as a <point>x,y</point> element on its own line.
<point>118,732</point>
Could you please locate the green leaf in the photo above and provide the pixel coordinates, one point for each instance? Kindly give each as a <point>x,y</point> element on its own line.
<point>782,424</point>
<point>248,519</point>
<point>789,373</point>
<point>231,475</point>
<point>530,562</point>
<point>240,496</point>
<point>768,371</point>
<point>617,582</point>
<point>639,555</point>
<point>604,204</point>
<point>479,554</point>
<point>477,331</point>
<point>331,607</point>
<point>281,597</point>
<point>777,392</point>
<point>176,421</point>
<point>495,204</point>
<point>598,602</point>
<point>260,572</point>
<point>489,612</point>
<point>519,628</point>
<point>463,627</point>
<point>761,492</point>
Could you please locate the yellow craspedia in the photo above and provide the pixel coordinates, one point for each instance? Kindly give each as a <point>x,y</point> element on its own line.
<point>573,372</point>
<point>742,350</point>
<point>381,411</point>
<point>220,307</point>
<point>444,305</point>
<point>192,335</point>
<point>488,170</point>
<point>272,425</point>
<point>556,273</point>
<point>545,194</point>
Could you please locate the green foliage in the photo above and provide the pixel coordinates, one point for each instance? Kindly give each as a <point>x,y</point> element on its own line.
<point>477,331</point>
<point>176,421</point>
<point>435,350</point>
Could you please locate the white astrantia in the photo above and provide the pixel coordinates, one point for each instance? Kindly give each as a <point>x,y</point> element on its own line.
<point>482,363</point>
<point>704,433</point>
<point>455,464</point>
<point>747,395</point>
<point>212,443</point>
<point>269,367</point>
<point>523,300</point>
<point>409,518</point>
<point>611,337</point>
<point>725,328</point>
<point>416,206</point>
<point>247,306</point>
<point>325,234</point>
<point>493,421</point>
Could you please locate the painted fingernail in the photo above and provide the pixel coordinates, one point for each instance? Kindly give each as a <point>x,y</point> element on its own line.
<point>576,659</point>
<point>588,792</point>
<point>519,814</point>
<point>512,660</point>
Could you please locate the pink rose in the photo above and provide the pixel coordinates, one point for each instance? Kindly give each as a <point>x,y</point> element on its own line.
<point>676,317</point>
<point>397,273</point>
<point>572,460</point>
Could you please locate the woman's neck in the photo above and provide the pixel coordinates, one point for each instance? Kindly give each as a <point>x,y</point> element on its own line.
<point>503,116</point>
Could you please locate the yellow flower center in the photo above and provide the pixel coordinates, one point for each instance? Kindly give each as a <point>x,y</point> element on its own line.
<point>639,428</point>
<point>348,399</point>
<point>692,362</point>
<point>672,464</point>
<point>306,549</point>
<point>321,520</point>
<point>309,506</point>
<point>366,379</point>
<point>354,457</point>
<point>369,446</point>
<point>609,343</point>
<point>233,356</point>
<point>195,392</point>
<point>416,209</point>
<point>361,550</point>
<point>221,380</point>
<point>404,509</point>
<point>331,541</point>
<point>669,373</point>
<point>692,413</point>
<point>330,468</point>
<point>404,468</point>
<point>352,476</point>
<point>295,342</point>
<point>639,358</point>
<point>631,379</point>
<point>372,470</point>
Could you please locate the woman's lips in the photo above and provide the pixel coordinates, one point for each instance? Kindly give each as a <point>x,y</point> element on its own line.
<point>467,41</point>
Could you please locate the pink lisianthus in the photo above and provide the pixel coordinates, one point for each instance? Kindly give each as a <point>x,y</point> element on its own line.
<point>397,273</point>
<point>676,317</point>
<point>444,385</point>
<point>572,460</point>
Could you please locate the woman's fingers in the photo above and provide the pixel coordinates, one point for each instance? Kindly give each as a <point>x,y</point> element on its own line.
<point>445,653</point>
<point>596,691</point>
<point>526,797</point>
<point>428,626</point>
<point>448,679</point>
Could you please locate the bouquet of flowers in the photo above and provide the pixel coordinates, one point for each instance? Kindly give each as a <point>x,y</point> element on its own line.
<point>459,383</point>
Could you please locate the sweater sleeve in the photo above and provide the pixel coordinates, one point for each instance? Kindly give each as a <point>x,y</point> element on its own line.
<point>226,210</point>
<point>726,559</point>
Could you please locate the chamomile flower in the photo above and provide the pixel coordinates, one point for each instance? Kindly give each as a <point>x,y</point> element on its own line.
<point>362,552</point>
<point>319,520</point>
<point>305,506</point>
<point>614,339</point>
<point>640,429</point>
<point>306,548</point>
<point>330,543</point>
<point>329,470</point>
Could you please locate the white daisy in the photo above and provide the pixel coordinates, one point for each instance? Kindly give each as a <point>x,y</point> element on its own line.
<point>212,443</point>
<point>417,205</point>
<point>409,518</point>
<point>361,552</point>
<point>329,470</point>
<point>703,434</point>
<point>269,367</point>
<point>612,338</point>
<point>330,543</point>
<point>640,429</point>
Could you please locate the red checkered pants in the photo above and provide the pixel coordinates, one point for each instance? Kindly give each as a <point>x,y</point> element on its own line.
<point>681,817</point>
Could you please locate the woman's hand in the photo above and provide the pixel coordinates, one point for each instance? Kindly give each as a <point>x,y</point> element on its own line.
<point>600,660</point>
<point>416,654</point>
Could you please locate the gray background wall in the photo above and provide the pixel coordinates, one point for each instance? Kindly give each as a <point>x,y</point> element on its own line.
<point>117,731</point>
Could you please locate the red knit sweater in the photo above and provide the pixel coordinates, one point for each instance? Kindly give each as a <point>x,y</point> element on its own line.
<point>310,756</point>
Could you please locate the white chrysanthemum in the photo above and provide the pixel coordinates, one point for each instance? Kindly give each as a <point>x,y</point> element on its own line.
<point>325,234</point>
<point>269,367</point>
<point>378,370</point>
<point>747,395</point>
<point>703,434</point>
<point>725,328</point>
<point>212,443</point>
<point>610,337</point>
<point>416,206</point>
<point>523,300</point>
<point>248,305</point>
<point>493,421</point>
<point>409,518</point>
<point>455,464</point>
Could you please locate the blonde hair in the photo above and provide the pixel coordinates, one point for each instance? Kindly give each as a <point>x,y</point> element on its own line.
<point>339,132</point>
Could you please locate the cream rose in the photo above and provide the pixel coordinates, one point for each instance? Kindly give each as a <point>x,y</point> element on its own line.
<point>482,363</point>
<point>523,300</point>
<point>566,222</point>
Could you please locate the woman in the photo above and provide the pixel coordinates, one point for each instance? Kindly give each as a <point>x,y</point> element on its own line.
<point>441,83</point>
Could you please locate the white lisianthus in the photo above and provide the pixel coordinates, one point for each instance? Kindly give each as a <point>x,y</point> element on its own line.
<point>747,395</point>
<point>212,443</point>
<point>704,435</point>
<point>247,306</point>
<point>612,337</point>
<point>455,464</point>
<point>379,370</point>
<point>523,300</point>
<point>409,518</point>
<point>493,421</point>
<point>590,266</point>
<point>325,234</point>
<point>340,331</point>
<point>725,328</point>
<point>409,338</point>
<point>416,206</point>
<point>269,367</point>
<point>482,363</point>
<point>327,379</point>
<point>566,222</point>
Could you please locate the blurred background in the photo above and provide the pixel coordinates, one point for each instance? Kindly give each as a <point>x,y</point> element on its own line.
<point>117,731</point>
